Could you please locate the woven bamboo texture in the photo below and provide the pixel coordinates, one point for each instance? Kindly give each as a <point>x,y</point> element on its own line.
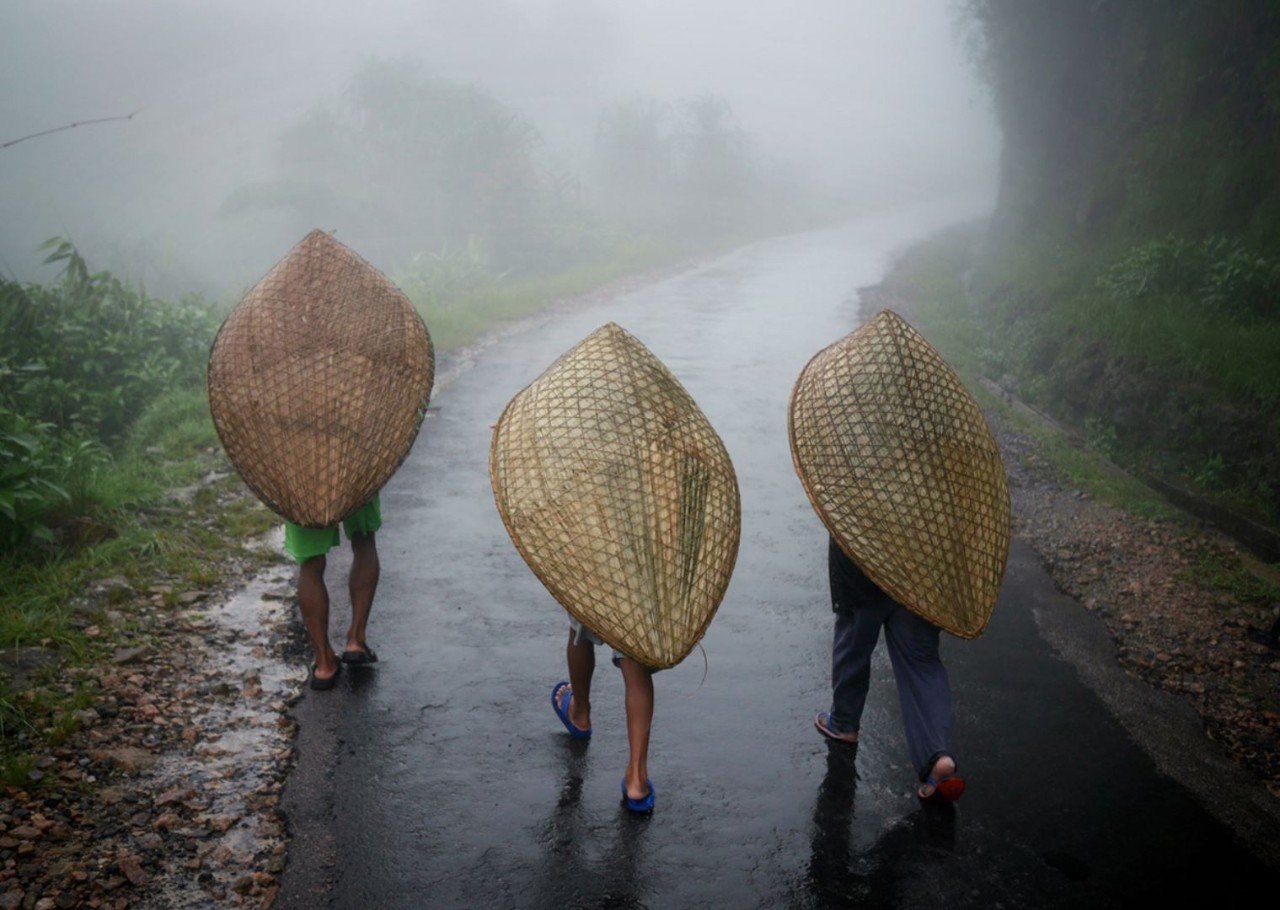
<point>620,496</point>
<point>902,468</point>
<point>318,382</point>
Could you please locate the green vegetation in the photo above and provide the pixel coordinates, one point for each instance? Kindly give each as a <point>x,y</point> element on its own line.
<point>1130,280</point>
<point>459,298</point>
<point>1226,573</point>
<point>79,362</point>
<point>930,275</point>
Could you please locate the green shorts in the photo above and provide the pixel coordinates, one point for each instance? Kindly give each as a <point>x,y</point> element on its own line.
<point>304,543</point>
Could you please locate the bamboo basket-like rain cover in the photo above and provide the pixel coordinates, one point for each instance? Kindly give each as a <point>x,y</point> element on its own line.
<point>903,470</point>
<point>318,382</point>
<point>620,496</point>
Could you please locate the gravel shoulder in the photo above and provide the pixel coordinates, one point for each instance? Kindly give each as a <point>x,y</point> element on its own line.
<point>166,794</point>
<point>1147,580</point>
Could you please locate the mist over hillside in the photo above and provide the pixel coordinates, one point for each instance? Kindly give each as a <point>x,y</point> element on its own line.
<point>847,105</point>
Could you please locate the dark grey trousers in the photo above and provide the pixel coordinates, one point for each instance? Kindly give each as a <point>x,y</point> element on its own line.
<point>923,689</point>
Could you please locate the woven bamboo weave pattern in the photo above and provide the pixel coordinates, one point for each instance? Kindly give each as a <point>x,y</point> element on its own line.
<point>901,466</point>
<point>620,496</point>
<point>318,382</point>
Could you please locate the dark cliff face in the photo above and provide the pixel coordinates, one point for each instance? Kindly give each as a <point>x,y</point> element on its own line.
<point>1141,116</point>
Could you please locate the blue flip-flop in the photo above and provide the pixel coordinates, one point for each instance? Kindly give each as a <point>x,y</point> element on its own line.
<point>639,806</point>
<point>562,712</point>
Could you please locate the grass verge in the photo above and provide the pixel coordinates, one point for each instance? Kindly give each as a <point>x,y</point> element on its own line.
<point>491,300</point>
<point>931,277</point>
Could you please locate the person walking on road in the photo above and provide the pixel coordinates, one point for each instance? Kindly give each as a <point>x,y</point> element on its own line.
<point>861,609</point>
<point>571,700</point>
<point>309,547</point>
<point>900,465</point>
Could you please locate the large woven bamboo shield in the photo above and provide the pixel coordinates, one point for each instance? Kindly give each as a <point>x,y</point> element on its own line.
<point>904,471</point>
<point>318,382</point>
<point>620,496</point>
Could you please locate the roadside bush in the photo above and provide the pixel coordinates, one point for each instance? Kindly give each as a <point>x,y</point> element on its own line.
<point>86,354</point>
<point>1170,265</point>
<point>1219,274</point>
<point>1241,284</point>
<point>79,362</point>
<point>30,471</point>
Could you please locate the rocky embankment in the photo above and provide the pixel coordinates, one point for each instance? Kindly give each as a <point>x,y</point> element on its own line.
<point>166,794</point>
<point>1147,580</point>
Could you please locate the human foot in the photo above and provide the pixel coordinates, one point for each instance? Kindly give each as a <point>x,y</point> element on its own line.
<point>579,727</point>
<point>639,798</point>
<point>822,720</point>
<point>324,674</point>
<point>942,782</point>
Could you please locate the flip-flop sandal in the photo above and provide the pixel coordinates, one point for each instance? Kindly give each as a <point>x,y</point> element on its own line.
<point>822,721</point>
<point>947,790</point>
<point>323,684</point>
<point>562,711</point>
<point>641,806</point>
<point>360,658</point>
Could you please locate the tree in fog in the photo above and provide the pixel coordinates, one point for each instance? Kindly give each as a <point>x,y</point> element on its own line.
<point>681,167</point>
<point>712,163</point>
<point>403,163</point>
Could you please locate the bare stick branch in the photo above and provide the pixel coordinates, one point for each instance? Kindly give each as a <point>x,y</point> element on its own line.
<point>69,126</point>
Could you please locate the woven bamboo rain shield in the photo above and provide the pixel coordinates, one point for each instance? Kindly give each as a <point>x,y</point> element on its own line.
<point>903,470</point>
<point>318,382</point>
<point>620,496</point>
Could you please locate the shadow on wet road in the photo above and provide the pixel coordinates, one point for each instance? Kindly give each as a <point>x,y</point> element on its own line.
<point>443,779</point>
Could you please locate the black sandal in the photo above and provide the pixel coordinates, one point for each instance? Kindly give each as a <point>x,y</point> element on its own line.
<point>361,657</point>
<point>323,684</point>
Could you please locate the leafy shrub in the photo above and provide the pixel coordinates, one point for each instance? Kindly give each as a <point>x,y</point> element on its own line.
<point>79,361</point>
<point>30,467</point>
<point>1101,437</point>
<point>1169,265</point>
<point>88,353</point>
<point>1240,284</point>
<point>1219,274</point>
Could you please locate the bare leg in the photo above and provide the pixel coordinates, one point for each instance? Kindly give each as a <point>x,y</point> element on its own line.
<point>581,658</point>
<point>639,683</point>
<point>313,601</point>
<point>362,583</point>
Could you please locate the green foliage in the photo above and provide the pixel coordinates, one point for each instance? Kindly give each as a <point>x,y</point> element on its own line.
<point>1101,437</point>
<point>1225,572</point>
<point>88,353</point>
<point>1242,285</point>
<point>30,468</point>
<point>1212,475</point>
<point>79,362</point>
<point>1219,274</point>
<point>1165,266</point>
<point>459,299</point>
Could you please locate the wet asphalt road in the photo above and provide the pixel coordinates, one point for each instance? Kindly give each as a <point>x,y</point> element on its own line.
<point>443,779</point>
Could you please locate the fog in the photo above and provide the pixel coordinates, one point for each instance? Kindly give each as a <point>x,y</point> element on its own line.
<point>851,105</point>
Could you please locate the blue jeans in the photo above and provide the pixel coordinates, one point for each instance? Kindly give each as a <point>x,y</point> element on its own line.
<point>923,689</point>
